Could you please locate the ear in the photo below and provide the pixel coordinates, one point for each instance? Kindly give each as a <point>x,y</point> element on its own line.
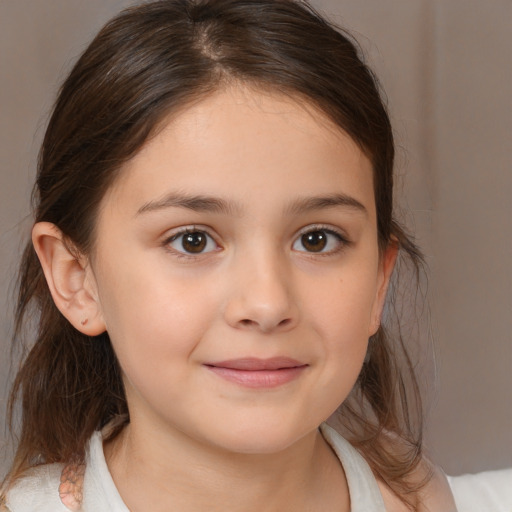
<point>70,279</point>
<point>386,265</point>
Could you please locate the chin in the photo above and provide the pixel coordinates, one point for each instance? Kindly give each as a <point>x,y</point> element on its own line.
<point>258,437</point>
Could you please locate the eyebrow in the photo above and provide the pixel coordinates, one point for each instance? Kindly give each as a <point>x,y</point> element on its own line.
<point>208,204</point>
<point>198,203</point>
<point>307,204</point>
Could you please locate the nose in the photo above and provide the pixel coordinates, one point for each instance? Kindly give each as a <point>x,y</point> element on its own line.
<point>261,296</point>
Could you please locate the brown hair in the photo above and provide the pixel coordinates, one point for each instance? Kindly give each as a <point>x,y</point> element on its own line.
<point>145,63</point>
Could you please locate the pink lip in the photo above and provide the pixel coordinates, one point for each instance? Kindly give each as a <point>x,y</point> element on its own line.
<point>258,373</point>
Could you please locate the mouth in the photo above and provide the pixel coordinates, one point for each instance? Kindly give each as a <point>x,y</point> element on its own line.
<point>258,373</point>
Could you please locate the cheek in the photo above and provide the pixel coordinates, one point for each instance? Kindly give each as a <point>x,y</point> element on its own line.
<point>150,320</point>
<point>340,312</point>
<point>343,331</point>
<point>342,305</point>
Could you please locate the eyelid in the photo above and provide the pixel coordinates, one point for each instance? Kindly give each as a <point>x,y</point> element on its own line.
<point>323,227</point>
<point>174,234</point>
<point>340,234</point>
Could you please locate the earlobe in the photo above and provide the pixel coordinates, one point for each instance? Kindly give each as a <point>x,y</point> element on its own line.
<point>386,266</point>
<point>69,279</point>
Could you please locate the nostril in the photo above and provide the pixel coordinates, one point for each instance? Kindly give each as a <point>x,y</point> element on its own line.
<point>247,322</point>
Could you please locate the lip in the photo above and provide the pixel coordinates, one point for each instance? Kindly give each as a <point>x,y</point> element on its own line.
<point>253,372</point>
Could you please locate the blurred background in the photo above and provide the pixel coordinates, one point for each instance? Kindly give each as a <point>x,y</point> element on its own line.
<point>446,67</point>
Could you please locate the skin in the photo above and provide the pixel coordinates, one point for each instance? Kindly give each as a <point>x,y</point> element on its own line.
<point>255,290</point>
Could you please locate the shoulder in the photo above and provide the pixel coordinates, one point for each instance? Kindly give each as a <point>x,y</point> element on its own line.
<point>46,488</point>
<point>38,489</point>
<point>434,495</point>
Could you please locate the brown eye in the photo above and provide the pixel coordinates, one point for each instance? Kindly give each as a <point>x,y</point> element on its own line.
<point>320,241</point>
<point>192,242</point>
<point>314,241</point>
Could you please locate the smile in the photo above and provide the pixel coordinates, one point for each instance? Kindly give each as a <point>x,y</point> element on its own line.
<point>258,373</point>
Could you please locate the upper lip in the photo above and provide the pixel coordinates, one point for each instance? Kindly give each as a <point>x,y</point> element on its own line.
<point>257,364</point>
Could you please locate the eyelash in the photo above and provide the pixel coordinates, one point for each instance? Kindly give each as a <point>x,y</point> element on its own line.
<point>315,228</point>
<point>341,238</point>
<point>182,232</point>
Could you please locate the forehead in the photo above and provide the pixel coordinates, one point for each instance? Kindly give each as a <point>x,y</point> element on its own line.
<point>241,142</point>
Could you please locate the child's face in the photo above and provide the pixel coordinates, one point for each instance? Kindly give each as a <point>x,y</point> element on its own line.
<point>279,260</point>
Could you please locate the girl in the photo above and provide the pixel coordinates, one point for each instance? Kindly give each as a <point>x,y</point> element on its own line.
<point>212,249</point>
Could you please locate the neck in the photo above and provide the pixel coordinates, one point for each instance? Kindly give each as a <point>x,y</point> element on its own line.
<point>161,472</point>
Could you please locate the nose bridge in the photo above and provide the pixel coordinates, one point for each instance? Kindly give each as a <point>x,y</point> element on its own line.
<point>262,292</point>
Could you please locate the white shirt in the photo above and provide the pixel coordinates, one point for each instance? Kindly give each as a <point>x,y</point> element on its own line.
<point>38,491</point>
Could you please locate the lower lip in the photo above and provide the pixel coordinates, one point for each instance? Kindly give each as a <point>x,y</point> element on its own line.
<point>259,378</point>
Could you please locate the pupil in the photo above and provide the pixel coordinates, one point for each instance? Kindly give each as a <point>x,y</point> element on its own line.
<point>314,241</point>
<point>194,242</point>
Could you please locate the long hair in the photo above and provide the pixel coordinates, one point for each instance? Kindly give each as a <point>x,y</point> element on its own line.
<point>146,63</point>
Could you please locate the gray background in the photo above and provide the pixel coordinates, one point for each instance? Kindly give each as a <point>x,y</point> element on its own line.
<point>446,67</point>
